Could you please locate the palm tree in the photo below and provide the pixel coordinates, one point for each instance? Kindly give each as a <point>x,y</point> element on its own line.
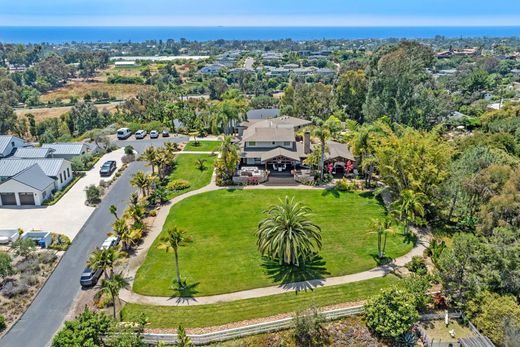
<point>126,235</point>
<point>324,130</point>
<point>382,228</point>
<point>287,234</point>
<point>227,162</point>
<point>409,208</point>
<point>171,147</point>
<point>201,164</point>
<point>174,239</point>
<point>113,210</point>
<point>150,155</point>
<point>141,181</point>
<point>112,286</point>
<point>104,259</point>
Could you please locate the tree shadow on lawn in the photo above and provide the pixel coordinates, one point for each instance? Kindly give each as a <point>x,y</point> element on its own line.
<point>331,191</point>
<point>306,276</point>
<point>186,294</point>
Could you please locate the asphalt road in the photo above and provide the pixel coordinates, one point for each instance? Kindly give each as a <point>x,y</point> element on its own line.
<point>140,145</point>
<point>41,321</point>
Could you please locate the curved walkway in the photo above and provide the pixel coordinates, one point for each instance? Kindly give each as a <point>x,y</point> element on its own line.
<point>135,262</point>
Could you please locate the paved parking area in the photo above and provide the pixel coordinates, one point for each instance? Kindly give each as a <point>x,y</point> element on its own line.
<point>68,215</point>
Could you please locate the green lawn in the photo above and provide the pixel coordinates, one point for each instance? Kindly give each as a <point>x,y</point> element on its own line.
<point>187,170</point>
<point>234,311</point>
<point>223,257</point>
<point>204,146</point>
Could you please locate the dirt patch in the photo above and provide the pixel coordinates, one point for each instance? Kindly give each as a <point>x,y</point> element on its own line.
<point>79,89</point>
<point>55,112</point>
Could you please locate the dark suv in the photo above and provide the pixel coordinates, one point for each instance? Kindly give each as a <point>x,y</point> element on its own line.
<point>107,168</point>
<point>89,278</point>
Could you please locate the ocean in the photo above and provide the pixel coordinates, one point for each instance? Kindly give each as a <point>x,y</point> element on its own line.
<point>140,34</point>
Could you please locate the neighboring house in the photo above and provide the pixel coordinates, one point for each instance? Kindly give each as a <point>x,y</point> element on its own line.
<point>58,169</point>
<point>67,150</point>
<point>30,186</point>
<point>213,69</point>
<point>272,143</point>
<point>33,153</point>
<point>262,113</point>
<point>9,144</point>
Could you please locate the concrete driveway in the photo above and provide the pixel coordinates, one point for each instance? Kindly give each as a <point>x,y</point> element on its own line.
<point>68,215</point>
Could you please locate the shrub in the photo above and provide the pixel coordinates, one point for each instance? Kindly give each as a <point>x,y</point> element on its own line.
<point>308,328</point>
<point>178,184</point>
<point>391,313</point>
<point>93,194</point>
<point>6,267</point>
<point>23,247</point>
<point>489,311</point>
<point>129,150</point>
<point>60,242</point>
<point>29,265</point>
<point>12,289</point>
<point>345,185</point>
<point>2,323</point>
<point>417,265</point>
<point>128,158</point>
<point>29,280</point>
<point>47,257</point>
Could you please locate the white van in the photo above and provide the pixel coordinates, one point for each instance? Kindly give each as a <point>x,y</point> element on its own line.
<point>123,133</point>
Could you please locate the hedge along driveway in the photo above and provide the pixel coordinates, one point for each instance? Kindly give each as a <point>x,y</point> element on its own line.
<point>223,257</point>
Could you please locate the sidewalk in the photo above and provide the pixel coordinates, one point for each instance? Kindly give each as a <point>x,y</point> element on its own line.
<point>68,215</point>
<point>136,261</point>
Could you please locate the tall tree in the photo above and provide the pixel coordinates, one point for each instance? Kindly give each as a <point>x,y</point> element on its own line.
<point>409,208</point>
<point>112,286</point>
<point>351,89</point>
<point>287,234</point>
<point>173,240</point>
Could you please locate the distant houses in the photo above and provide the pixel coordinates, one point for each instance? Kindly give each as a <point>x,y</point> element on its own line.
<point>30,175</point>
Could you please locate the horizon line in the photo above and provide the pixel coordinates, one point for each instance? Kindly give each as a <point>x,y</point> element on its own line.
<point>264,26</point>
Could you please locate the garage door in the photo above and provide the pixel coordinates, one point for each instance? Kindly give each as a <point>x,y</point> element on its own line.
<point>8,199</point>
<point>26,198</point>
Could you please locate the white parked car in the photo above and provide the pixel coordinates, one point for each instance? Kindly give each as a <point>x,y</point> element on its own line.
<point>140,134</point>
<point>154,134</point>
<point>110,242</point>
<point>123,133</point>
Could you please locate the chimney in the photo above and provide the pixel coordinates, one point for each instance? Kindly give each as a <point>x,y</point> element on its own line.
<point>307,142</point>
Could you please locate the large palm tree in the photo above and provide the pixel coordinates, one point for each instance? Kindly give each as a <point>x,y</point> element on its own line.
<point>104,259</point>
<point>112,286</point>
<point>409,208</point>
<point>150,155</point>
<point>174,239</point>
<point>141,181</point>
<point>287,234</point>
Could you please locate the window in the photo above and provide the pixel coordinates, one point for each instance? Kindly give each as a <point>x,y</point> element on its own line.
<point>286,143</point>
<point>44,194</point>
<point>252,143</point>
<point>68,172</point>
<point>61,178</point>
<point>273,142</point>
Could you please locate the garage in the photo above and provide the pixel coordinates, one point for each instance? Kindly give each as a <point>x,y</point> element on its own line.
<point>8,199</point>
<point>26,199</point>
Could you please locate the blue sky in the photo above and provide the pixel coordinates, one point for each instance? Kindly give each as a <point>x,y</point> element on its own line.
<point>261,12</point>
